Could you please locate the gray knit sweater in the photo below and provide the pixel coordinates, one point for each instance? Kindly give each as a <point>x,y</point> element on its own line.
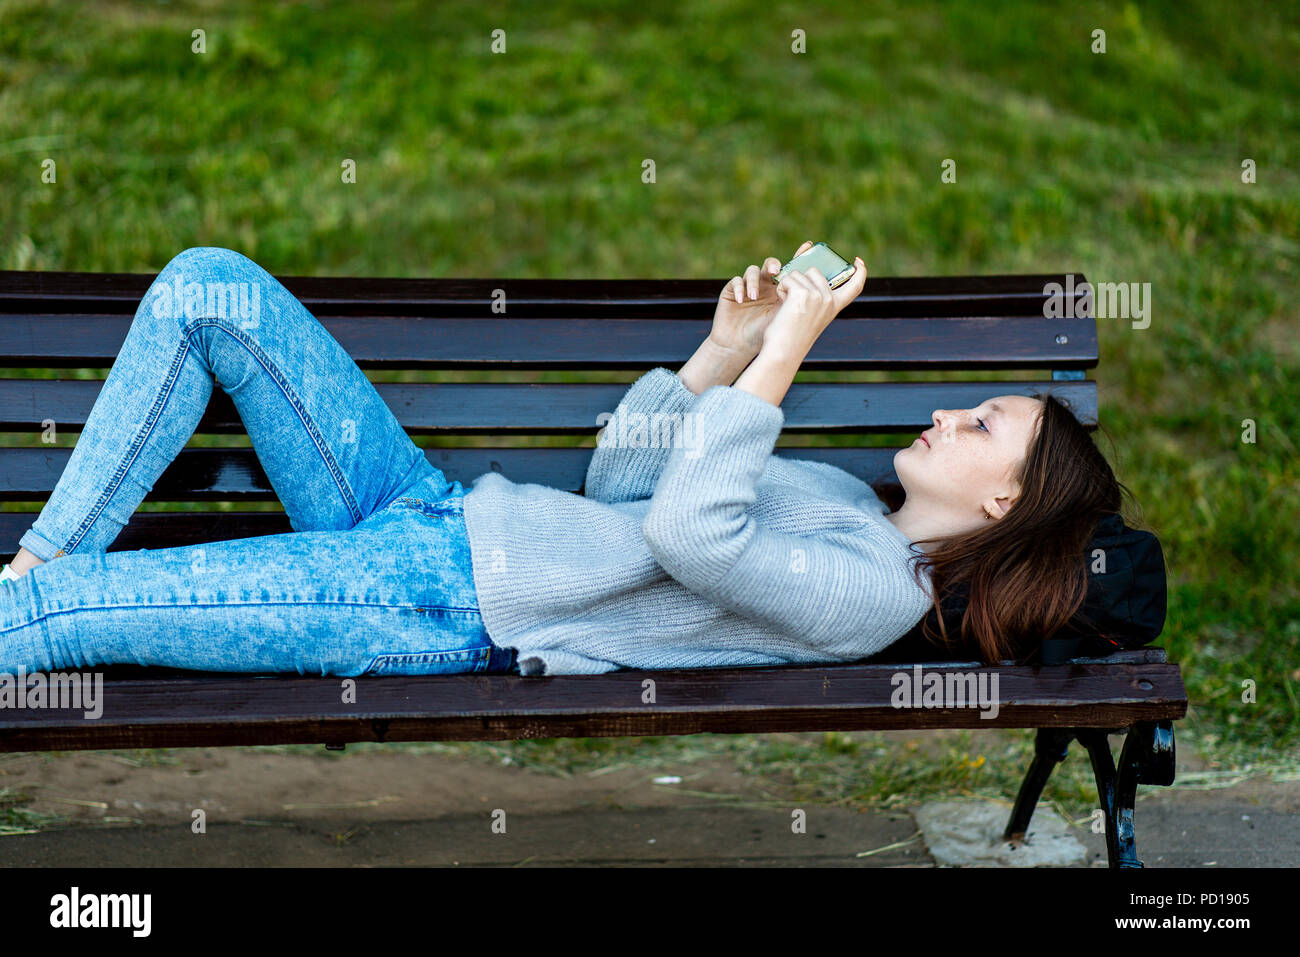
<point>695,550</point>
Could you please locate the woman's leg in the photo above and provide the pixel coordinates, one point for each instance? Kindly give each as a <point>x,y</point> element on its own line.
<point>394,595</point>
<point>328,443</point>
<point>364,583</point>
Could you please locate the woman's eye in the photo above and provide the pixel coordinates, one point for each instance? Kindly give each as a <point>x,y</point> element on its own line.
<point>982,426</point>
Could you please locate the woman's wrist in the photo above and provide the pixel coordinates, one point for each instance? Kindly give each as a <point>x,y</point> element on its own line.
<point>713,364</point>
<point>771,373</point>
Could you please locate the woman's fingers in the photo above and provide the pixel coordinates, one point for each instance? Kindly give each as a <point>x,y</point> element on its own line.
<point>820,283</point>
<point>798,284</point>
<point>751,284</point>
<point>773,265</point>
<point>813,291</point>
<point>814,284</point>
<point>846,293</point>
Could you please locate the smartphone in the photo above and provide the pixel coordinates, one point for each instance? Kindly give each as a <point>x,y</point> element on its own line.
<point>831,264</point>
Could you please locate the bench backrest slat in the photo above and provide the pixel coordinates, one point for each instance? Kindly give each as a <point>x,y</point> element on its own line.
<point>537,408</point>
<point>614,342</point>
<point>1009,295</point>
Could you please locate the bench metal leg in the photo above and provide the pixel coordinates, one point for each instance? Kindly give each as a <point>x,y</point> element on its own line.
<point>1156,766</point>
<point>1050,748</point>
<point>1147,758</point>
<point>1115,792</point>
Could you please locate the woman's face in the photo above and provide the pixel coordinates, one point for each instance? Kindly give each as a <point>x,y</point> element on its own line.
<point>965,463</point>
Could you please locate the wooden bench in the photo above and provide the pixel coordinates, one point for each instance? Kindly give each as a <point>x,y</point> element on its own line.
<point>78,320</point>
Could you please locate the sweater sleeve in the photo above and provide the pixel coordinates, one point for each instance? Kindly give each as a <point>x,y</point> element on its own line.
<point>633,447</point>
<point>844,593</point>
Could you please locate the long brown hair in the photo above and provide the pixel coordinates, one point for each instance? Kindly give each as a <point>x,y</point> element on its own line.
<point>1024,576</point>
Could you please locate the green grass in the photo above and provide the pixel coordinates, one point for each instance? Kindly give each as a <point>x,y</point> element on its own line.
<point>1124,165</point>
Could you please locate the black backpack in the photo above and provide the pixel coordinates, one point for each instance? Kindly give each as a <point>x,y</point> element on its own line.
<point>1124,609</point>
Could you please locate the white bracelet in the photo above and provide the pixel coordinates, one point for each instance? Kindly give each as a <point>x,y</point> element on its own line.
<point>8,573</point>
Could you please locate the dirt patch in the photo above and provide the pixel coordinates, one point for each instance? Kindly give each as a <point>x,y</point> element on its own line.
<point>238,784</point>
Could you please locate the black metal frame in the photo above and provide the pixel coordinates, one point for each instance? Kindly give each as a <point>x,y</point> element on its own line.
<point>1146,758</point>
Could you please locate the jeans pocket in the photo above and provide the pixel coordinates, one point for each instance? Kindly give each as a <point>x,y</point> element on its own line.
<point>461,661</point>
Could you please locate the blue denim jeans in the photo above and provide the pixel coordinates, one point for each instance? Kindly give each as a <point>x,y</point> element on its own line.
<point>375,577</point>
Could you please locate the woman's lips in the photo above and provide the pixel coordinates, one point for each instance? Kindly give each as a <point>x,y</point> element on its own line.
<point>925,440</point>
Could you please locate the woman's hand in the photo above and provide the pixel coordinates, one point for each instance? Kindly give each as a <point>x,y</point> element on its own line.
<point>747,306</point>
<point>809,304</point>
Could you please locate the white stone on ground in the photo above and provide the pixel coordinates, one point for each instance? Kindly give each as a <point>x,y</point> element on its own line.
<point>969,834</point>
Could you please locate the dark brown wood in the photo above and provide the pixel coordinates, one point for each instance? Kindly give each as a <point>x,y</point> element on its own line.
<point>163,529</point>
<point>1152,654</point>
<point>486,342</point>
<point>882,296</point>
<point>235,475</point>
<point>571,409</point>
<point>225,710</point>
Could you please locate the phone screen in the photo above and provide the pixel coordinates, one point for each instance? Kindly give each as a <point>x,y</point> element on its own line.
<point>831,265</point>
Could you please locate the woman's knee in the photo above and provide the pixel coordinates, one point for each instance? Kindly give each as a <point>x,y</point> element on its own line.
<point>210,282</point>
<point>198,262</point>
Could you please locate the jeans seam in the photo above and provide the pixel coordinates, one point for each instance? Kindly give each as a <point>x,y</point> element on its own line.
<point>419,505</point>
<point>133,450</point>
<point>479,652</point>
<point>225,604</point>
<point>481,657</point>
<point>327,456</point>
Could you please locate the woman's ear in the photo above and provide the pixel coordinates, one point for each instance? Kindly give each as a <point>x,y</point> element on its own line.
<point>995,508</point>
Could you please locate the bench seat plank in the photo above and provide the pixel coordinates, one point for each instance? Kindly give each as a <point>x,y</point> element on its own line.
<point>217,710</point>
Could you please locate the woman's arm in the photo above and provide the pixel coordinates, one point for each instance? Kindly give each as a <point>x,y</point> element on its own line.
<point>843,592</point>
<point>769,376</point>
<point>622,474</point>
<point>746,307</point>
<point>847,592</point>
<point>810,305</point>
<point>626,462</point>
<point>713,364</point>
